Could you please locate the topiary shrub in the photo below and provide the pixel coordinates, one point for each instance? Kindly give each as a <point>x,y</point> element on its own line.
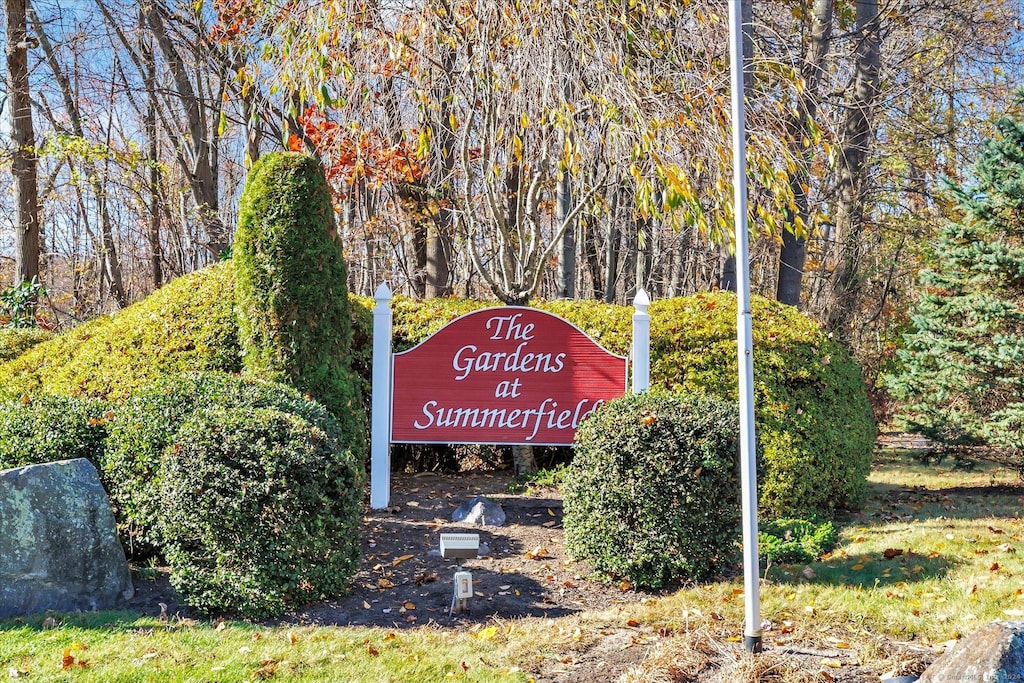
<point>16,341</point>
<point>791,541</point>
<point>260,511</point>
<point>144,426</point>
<point>814,422</point>
<point>653,493</point>
<point>40,429</point>
<point>293,306</point>
<point>186,326</point>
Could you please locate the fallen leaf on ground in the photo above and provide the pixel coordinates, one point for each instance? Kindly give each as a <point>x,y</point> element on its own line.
<point>69,657</point>
<point>536,553</point>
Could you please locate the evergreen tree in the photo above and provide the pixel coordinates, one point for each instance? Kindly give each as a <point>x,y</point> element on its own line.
<point>962,377</point>
<point>292,299</point>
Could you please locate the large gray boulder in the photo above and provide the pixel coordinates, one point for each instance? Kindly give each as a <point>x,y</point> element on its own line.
<point>58,541</point>
<point>992,653</point>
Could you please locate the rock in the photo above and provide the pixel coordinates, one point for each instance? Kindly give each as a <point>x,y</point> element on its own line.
<point>992,653</point>
<point>479,511</point>
<point>58,541</point>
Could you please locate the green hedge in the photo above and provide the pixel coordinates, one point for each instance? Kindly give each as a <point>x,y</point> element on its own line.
<point>792,541</point>
<point>653,493</point>
<point>16,341</point>
<point>259,510</point>
<point>40,429</point>
<point>186,326</point>
<point>814,421</point>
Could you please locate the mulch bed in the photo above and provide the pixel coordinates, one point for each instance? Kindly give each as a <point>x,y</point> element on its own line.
<point>403,582</point>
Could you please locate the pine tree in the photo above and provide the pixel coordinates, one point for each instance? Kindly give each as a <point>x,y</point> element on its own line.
<point>962,377</point>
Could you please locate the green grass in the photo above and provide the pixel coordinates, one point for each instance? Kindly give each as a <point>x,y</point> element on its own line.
<point>956,562</point>
<point>124,647</point>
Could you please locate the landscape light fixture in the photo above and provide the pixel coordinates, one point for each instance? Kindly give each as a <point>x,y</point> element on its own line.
<point>460,547</point>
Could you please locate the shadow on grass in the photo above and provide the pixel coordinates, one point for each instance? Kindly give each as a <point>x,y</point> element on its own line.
<point>109,620</point>
<point>867,571</point>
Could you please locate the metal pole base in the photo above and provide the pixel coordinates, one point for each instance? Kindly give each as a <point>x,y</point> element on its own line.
<point>752,643</point>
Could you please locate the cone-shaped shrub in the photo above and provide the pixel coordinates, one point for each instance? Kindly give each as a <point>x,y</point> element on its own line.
<point>293,306</point>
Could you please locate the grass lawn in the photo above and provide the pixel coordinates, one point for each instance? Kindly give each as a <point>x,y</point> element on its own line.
<point>935,554</point>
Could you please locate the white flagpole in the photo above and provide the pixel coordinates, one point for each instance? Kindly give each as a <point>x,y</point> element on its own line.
<point>744,341</point>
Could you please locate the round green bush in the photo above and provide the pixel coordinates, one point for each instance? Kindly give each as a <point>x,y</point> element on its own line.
<point>653,493</point>
<point>186,326</point>
<point>815,429</point>
<point>142,428</point>
<point>792,541</point>
<point>290,284</point>
<point>260,511</point>
<point>38,429</point>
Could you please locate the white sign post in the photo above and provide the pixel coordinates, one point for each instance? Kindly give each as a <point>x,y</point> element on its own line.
<point>744,341</point>
<point>641,343</point>
<point>380,410</point>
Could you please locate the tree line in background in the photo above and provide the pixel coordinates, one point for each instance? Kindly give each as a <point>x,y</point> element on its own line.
<point>503,148</point>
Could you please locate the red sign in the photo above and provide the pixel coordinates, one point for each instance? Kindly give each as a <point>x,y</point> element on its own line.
<point>502,375</point>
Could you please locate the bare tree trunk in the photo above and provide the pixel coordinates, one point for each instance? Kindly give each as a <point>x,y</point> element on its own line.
<point>23,158</point>
<point>439,241</point>
<point>858,133</point>
<point>202,175</point>
<point>593,257</point>
<point>419,252</point>
<point>524,460</point>
<point>794,247</point>
<point>153,180</point>
<point>611,264</point>
<point>107,248</point>
<point>567,262</point>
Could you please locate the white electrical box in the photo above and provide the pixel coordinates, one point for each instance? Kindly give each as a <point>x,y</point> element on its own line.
<point>463,585</point>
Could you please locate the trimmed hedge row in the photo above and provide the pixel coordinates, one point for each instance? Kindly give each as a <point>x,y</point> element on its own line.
<point>813,417</point>
<point>39,429</point>
<point>186,326</point>
<point>16,341</point>
<point>814,422</point>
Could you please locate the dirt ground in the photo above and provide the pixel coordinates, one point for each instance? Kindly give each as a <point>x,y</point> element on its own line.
<point>403,582</point>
